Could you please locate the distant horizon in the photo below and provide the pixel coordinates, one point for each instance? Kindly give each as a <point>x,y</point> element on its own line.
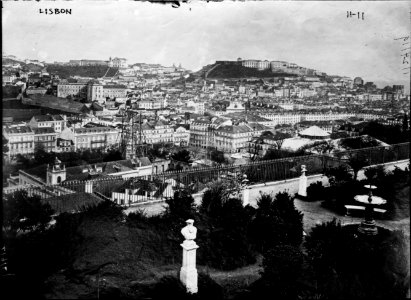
<point>380,85</point>
<point>315,35</point>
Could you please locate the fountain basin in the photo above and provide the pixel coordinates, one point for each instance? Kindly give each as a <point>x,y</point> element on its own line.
<point>375,199</point>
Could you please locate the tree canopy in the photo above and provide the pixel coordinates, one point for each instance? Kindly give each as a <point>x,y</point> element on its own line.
<point>182,156</point>
<point>24,212</point>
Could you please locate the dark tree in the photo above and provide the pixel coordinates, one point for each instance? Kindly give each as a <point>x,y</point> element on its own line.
<point>225,229</point>
<point>182,155</point>
<point>283,265</point>
<point>41,156</point>
<point>357,162</point>
<point>325,147</point>
<point>112,154</point>
<point>218,156</point>
<point>346,265</point>
<point>279,138</point>
<point>338,175</point>
<point>405,123</point>
<point>359,142</point>
<point>23,212</point>
<point>276,221</point>
<point>181,207</point>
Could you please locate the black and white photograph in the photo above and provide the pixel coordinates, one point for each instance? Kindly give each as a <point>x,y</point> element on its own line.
<point>223,150</point>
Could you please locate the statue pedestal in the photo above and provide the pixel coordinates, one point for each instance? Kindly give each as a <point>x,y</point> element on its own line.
<point>246,196</point>
<point>302,188</point>
<point>188,272</point>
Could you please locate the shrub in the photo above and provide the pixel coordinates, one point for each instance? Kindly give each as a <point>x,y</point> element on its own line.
<point>282,269</point>
<point>348,265</point>
<point>225,244</point>
<point>276,221</point>
<point>23,212</point>
<point>375,173</point>
<point>316,191</point>
<point>339,174</point>
<point>181,206</point>
<point>107,210</point>
<point>138,218</point>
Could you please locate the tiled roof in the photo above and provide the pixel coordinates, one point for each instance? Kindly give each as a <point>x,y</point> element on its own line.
<point>186,126</point>
<point>18,130</point>
<point>55,103</point>
<point>114,86</point>
<point>94,130</point>
<point>43,130</point>
<point>72,202</point>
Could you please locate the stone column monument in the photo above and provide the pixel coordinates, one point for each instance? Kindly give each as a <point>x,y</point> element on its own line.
<point>302,189</point>
<point>188,272</point>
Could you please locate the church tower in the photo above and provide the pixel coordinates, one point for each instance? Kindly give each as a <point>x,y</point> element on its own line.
<point>56,173</point>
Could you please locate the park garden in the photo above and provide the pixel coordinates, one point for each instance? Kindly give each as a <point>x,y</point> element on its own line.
<point>245,252</point>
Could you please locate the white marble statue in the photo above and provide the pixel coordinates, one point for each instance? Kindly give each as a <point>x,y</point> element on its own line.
<point>302,188</point>
<point>189,232</point>
<point>188,272</point>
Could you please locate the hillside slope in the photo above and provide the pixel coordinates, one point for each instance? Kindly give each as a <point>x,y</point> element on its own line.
<point>236,71</point>
<point>84,71</point>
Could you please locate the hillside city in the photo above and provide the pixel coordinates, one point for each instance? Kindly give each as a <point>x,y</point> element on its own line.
<point>117,156</point>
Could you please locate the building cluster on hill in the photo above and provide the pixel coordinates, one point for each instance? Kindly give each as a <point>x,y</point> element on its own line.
<point>151,104</point>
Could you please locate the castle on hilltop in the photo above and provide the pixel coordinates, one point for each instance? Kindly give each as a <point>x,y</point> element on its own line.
<point>275,66</point>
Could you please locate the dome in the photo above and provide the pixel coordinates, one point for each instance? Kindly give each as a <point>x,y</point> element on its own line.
<point>314,132</point>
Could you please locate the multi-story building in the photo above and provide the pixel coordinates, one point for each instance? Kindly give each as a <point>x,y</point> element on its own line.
<point>223,134</point>
<point>375,97</point>
<point>91,138</point>
<point>87,62</point>
<point>20,140</point>
<point>46,138</point>
<point>235,106</point>
<point>156,132</point>
<point>297,118</point>
<point>282,118</point>
<point>95,92</point>
<point>117,62</point>
<point>150,104</point>
<point>277,66</point>
<point>250,63</point>
<point>358,81</point>
<point>194,107</point>
<point>235,138</point>
<point>8,78</point>
<point>114,91</point>
<point>263,65</point>
<point>201,131</point>
<point>326,117</point>
<point>57,122</point>
<point>32,90</point>
<point>64,145</point>
<point>72,89</point>
<point>181,136</point>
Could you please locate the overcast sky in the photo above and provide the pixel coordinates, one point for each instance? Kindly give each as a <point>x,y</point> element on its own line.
<point>317,35</point>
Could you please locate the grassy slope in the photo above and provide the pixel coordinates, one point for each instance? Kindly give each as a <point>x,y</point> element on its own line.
<point>139,257</point>
<point>84,71</point>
